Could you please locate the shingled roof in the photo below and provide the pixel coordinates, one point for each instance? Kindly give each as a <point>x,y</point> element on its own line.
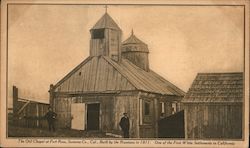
<point>216,87</point>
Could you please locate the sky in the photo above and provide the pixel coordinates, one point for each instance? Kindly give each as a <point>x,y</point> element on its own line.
<point>45,42</point>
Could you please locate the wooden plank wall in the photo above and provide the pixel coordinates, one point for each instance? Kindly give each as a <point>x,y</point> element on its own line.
<point>128,104</point>
<point>32,115</point>
<point>213,120</point>
<point>107,113</point>
<point>97,47</point>
<point>63,108</point>
<point>107,46</point>
<point>113,42</point>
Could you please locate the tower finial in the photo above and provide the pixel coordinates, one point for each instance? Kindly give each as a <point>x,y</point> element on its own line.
<point>106,8</point>
<point>132,32</point>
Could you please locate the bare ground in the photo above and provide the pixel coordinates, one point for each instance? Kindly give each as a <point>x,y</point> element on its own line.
<point>14,131</point>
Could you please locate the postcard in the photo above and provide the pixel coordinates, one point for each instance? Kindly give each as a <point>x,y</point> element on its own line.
<point>124,73</point>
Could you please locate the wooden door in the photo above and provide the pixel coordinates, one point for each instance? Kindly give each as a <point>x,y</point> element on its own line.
<point>78,114</point>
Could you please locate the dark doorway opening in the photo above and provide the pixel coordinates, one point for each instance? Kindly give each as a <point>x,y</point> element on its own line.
<point>93,112</point>
<point>172,126</point>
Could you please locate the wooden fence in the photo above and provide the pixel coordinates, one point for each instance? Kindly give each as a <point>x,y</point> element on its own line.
<point>28,113</point>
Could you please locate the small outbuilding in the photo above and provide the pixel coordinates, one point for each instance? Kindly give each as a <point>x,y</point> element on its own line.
<point>214,106</point>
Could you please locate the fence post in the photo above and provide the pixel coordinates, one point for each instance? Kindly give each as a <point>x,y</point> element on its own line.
<point>51,96</point>
<point>15,105</point>
<point>15,98</point>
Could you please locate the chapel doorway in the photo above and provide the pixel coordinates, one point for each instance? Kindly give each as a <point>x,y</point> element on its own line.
<point>93,113</point>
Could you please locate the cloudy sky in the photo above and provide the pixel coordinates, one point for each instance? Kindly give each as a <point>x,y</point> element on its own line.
<point>45,42</point>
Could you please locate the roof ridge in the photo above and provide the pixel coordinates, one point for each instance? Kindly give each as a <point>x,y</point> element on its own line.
<point>135,77</point>
<point>165,87</point>
<point>139,79</point>
<point>138,68</point>
<point>119,71</point>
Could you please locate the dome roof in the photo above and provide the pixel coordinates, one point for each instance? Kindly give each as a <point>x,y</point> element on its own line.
<point>134,44</point>
<point>106,22</point>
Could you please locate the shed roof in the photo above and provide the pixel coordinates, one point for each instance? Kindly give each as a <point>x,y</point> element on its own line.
<point>136,77</point>
<point>106,22</point>
<point>216,87</point>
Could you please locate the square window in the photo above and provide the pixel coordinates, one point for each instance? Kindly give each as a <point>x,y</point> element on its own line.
<point>97,34</point>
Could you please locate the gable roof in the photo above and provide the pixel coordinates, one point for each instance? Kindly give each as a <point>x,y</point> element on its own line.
<point>216,87</point>
<point>93,75</point>
<point>143,80</point>
<point>134,78</point>
<point>106,22</point>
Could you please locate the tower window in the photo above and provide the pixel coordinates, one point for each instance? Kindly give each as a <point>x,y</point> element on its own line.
<point>97,34</point>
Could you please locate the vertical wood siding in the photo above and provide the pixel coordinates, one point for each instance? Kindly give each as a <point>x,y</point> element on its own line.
<point>111,111</point>
<point>213,121</point>
<point>129,105</point>
<point>32,115</point>
<point>114,42</point>
<point>97,47</point>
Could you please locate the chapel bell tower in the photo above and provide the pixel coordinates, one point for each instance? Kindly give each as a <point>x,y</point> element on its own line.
<point>106,38</point>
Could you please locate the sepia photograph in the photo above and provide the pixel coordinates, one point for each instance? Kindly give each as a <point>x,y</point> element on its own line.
<point>120,73</point>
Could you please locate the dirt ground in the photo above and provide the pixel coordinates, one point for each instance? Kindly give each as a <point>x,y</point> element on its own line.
<point>14,131</point>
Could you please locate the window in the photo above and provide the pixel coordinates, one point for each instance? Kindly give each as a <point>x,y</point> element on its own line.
<point>162,107</point>
<point>146,108</point>
<point>174,106</point>
<point>97,34</point>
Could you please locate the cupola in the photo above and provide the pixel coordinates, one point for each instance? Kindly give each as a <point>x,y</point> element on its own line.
<point>136,52</point>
